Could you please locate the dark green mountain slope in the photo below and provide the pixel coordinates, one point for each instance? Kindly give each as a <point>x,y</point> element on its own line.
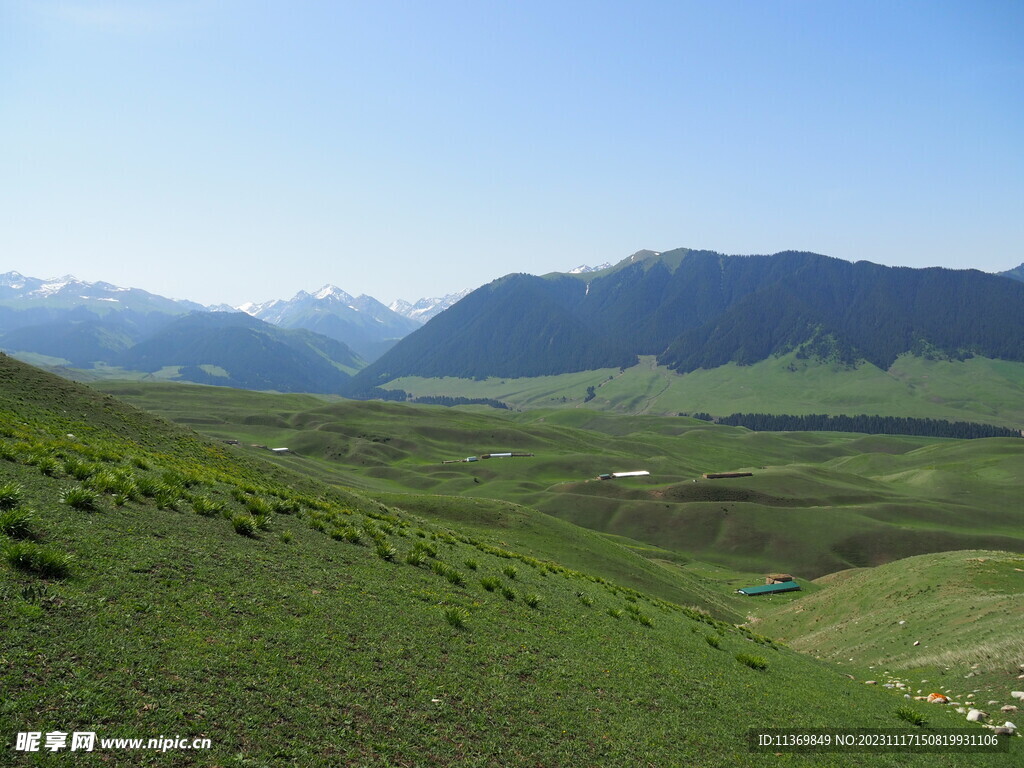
<point>864,311</point>
<point>519,325</point>
<point>81,343</point>
<point>1017,273</point>
<point>81,335</point>
<point>241,351</point>
<point>700,309</point>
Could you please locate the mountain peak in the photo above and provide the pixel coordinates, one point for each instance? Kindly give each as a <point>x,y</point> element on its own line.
<point>331,291</point>
<point>644,254</point>
<point>584,269</point>
<point>426,308</point>
<point>13,279</point>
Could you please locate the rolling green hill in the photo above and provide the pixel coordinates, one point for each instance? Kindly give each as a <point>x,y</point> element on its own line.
<point>816,503</point>
<point>952,618</point>
<point>157,584</point>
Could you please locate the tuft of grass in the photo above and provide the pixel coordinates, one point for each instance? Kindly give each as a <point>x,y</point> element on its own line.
<point>167,497</point>
<point>472,564</point>
<point>10,494</point>
<point>615,613</point>
<point>48,465</point>
<point>257,505</point>
<point>451,574</point>
<point>386,551</point>
<point>126,485</point>
<point>18,524</point>
<point>508,594</point>
<point>244,525</point>
<point>148,486</point>
<point>456,616</point>
<point>287,506</point>
<point>415,558</point>
<point>205,506</point>
<point>42,561</point>
<point>80,470</point>
<point>754,662</point>
<point>103,481</point>
<point>510,571</point>
<point>80,497</point>
<point>490,583</point>
<point>178,479</point>
<point>532,599</point>
<point>286,537</point>
<point>910,715</point>
<point>426,548</point>
<point>713,641</point>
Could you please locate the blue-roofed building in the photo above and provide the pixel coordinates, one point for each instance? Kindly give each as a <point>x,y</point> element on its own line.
<point>769,589</point>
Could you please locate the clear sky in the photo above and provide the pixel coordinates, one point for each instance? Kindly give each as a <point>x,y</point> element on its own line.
<point>243,150</point>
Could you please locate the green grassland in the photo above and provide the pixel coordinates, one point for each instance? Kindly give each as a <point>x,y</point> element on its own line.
<point>977,389</point>
<point>155,583</point>
<point>963,608</point>
<point>816,503</point>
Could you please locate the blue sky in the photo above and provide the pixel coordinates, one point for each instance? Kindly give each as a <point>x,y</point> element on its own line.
<point>235,151</point>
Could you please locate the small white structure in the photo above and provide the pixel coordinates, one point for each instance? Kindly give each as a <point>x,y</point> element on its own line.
<point>616,475</point>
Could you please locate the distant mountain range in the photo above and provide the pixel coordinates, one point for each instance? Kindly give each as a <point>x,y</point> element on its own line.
<point>235,350</point>
<point>692,309</point>
<point>425,309</point>
<point>83,323</point>
<point>363,323</point>
<point>701,309</point>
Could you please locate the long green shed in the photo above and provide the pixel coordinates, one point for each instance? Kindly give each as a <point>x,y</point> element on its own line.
<point>767,589</point>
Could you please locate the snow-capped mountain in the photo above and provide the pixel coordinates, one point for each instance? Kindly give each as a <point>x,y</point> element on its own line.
<point>21,292</point>
<point>583,269</point>
<point>362,322</point>
<point>424,309</point>
<point>75,323</point>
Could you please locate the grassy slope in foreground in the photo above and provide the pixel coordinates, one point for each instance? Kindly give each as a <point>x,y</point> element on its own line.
<point>302,649</point>
<point>978,389</point>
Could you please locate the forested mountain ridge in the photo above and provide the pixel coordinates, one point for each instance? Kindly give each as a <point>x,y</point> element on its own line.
<point>1017,273</point>
<point>702,309</point>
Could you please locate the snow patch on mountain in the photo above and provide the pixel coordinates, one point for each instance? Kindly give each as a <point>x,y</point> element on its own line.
<point>424,309</point>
